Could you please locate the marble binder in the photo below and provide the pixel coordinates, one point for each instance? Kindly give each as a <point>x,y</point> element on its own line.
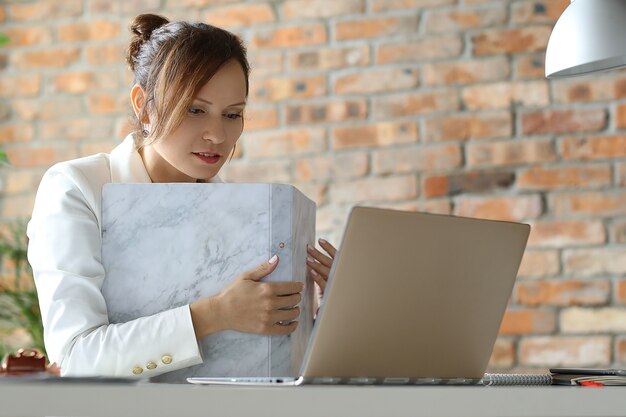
<point>166,245</point>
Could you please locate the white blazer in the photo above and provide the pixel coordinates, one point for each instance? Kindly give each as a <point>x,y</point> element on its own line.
<point>64,251</point>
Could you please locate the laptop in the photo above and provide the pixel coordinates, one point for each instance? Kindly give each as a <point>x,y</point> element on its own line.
<point>412,298</point>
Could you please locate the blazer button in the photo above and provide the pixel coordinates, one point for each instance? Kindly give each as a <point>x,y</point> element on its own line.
<point>151,365</point>
<point>166,359</point>
<point>137,370</point>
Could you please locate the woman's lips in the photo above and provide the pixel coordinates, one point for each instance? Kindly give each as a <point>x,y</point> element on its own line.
<point>207,157</point>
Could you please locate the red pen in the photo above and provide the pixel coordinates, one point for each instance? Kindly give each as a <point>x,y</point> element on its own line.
<point>591,384</point>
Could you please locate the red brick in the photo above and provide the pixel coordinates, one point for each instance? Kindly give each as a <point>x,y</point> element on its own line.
<point>107,103</point>
<point>514,208</point>
<point>563,121</point>
<point>92,148</point>
<point>303,9</point>
<point>523,321</point>
<point>538,264</point>
<point>287,143</point>
<point>377,135</point>
<point>562,233</point>
<point>379,80</point>
<point>511,152</point>
<point>502,355</point>
<point>124,7</point>
<point>265,62</point>
<point>415,103</point>
<point>460,20</point>
<point>586,320</point>
<point>258,171</point>
<point>621,117</point>
<point>466,72</point>
<point>2,14</point>
<point>404,160</point>
<point>339,166</point>
<point>620,291</point>
<point>327,112</point>
<point>618,231</point>
<point>438,206</point>
<point>620,352</point>
<point>539,178</point>
<point>538,11</point>
<point>594,147</point>
<point>290,36</point>
<point>107,54</point>
<point>239,15</point>
<point>49,58</point>
<point>76,129</point>
<point>27,36</point>
<point>21,181</point>
<point>506,94</point>
<point>386,189</point>
<point>84,81</point>
<point>330,58</point>
<point>377,27</point>
<point>89,31</point>
<point>608,260</point>
<point>565,351</point>
<point>316,192</point>
<point>20,85</point>
<point>411,5</point>
<point>45,10</point>
<point>420,50</point>
<point>563,292</point>
<point>276,89</point>
<point>530,66</point>
<point>465,126</point>
<point>40,156</point>
<point>18,206</point>
<point>621,173</point>
<point>511,41</point>
<point>599,203</point>
<point>466,182</point>
<point>601,89</point>
<point>174,4</point>
<point>257,118</point>
<point>49,109</point>
<point>332,217</point>
<point>13,133</point>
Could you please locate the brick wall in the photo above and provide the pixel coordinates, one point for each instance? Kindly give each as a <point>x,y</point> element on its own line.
<point>434,105</point>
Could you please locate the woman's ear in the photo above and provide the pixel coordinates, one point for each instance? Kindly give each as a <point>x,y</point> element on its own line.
<point>137,97</point>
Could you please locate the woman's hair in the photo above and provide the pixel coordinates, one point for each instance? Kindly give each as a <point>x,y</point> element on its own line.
<point>171,62</point>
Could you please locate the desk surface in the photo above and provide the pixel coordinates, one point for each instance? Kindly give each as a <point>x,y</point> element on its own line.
<point>155,400</point>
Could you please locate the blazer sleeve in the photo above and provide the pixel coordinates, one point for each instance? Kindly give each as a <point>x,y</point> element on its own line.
<point>65,253</point>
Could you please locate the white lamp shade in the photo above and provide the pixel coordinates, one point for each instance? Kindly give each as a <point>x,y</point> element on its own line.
<point>589,36</point>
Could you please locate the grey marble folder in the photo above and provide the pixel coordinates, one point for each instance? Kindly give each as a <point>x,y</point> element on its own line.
<point>166,245</point>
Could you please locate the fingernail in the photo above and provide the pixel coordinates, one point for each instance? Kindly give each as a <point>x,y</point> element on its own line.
<point>309,248</point>
<point>308,259</point>
<point>314,272</point>
<point>322,241</point>
<point>273,259</point>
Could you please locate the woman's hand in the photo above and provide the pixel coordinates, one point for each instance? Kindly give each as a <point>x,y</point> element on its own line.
<point>320,263</point>
<point>247,305</point>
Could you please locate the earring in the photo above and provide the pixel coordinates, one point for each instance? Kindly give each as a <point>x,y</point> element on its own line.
<point>145,130</point>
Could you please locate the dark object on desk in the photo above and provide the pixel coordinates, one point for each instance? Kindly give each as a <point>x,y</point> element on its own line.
<point>25,361</point>
<point>588,377</point>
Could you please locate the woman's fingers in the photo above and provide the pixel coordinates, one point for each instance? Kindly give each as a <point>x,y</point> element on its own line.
<point>320,280</point>
<point>318,267</point>
<point>321,258</point>
<point>332,251</point>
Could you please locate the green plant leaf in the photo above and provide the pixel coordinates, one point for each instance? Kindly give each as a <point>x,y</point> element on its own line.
<point>4,39</point>
<point>4,159</point>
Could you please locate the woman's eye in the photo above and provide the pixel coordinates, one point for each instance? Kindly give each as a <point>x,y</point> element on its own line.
<point>195,110</point>
<point>233,116</point>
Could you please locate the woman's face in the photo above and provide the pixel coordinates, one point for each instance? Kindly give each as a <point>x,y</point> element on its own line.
<point>198,148</point>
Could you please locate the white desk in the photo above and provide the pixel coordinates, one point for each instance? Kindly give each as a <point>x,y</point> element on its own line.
<point>156,400</point>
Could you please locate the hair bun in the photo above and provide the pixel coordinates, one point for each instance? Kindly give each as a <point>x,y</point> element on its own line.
<point>141,29</point>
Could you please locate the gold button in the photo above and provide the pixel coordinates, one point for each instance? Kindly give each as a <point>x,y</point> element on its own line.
<point>137,370</point>
<point>151,365</point>
<point>166,359</point>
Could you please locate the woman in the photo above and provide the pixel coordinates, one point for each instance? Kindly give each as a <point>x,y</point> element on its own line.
<point>191,86</point>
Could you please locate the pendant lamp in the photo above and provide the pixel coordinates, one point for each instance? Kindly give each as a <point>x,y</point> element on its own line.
<point>589,36</point>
